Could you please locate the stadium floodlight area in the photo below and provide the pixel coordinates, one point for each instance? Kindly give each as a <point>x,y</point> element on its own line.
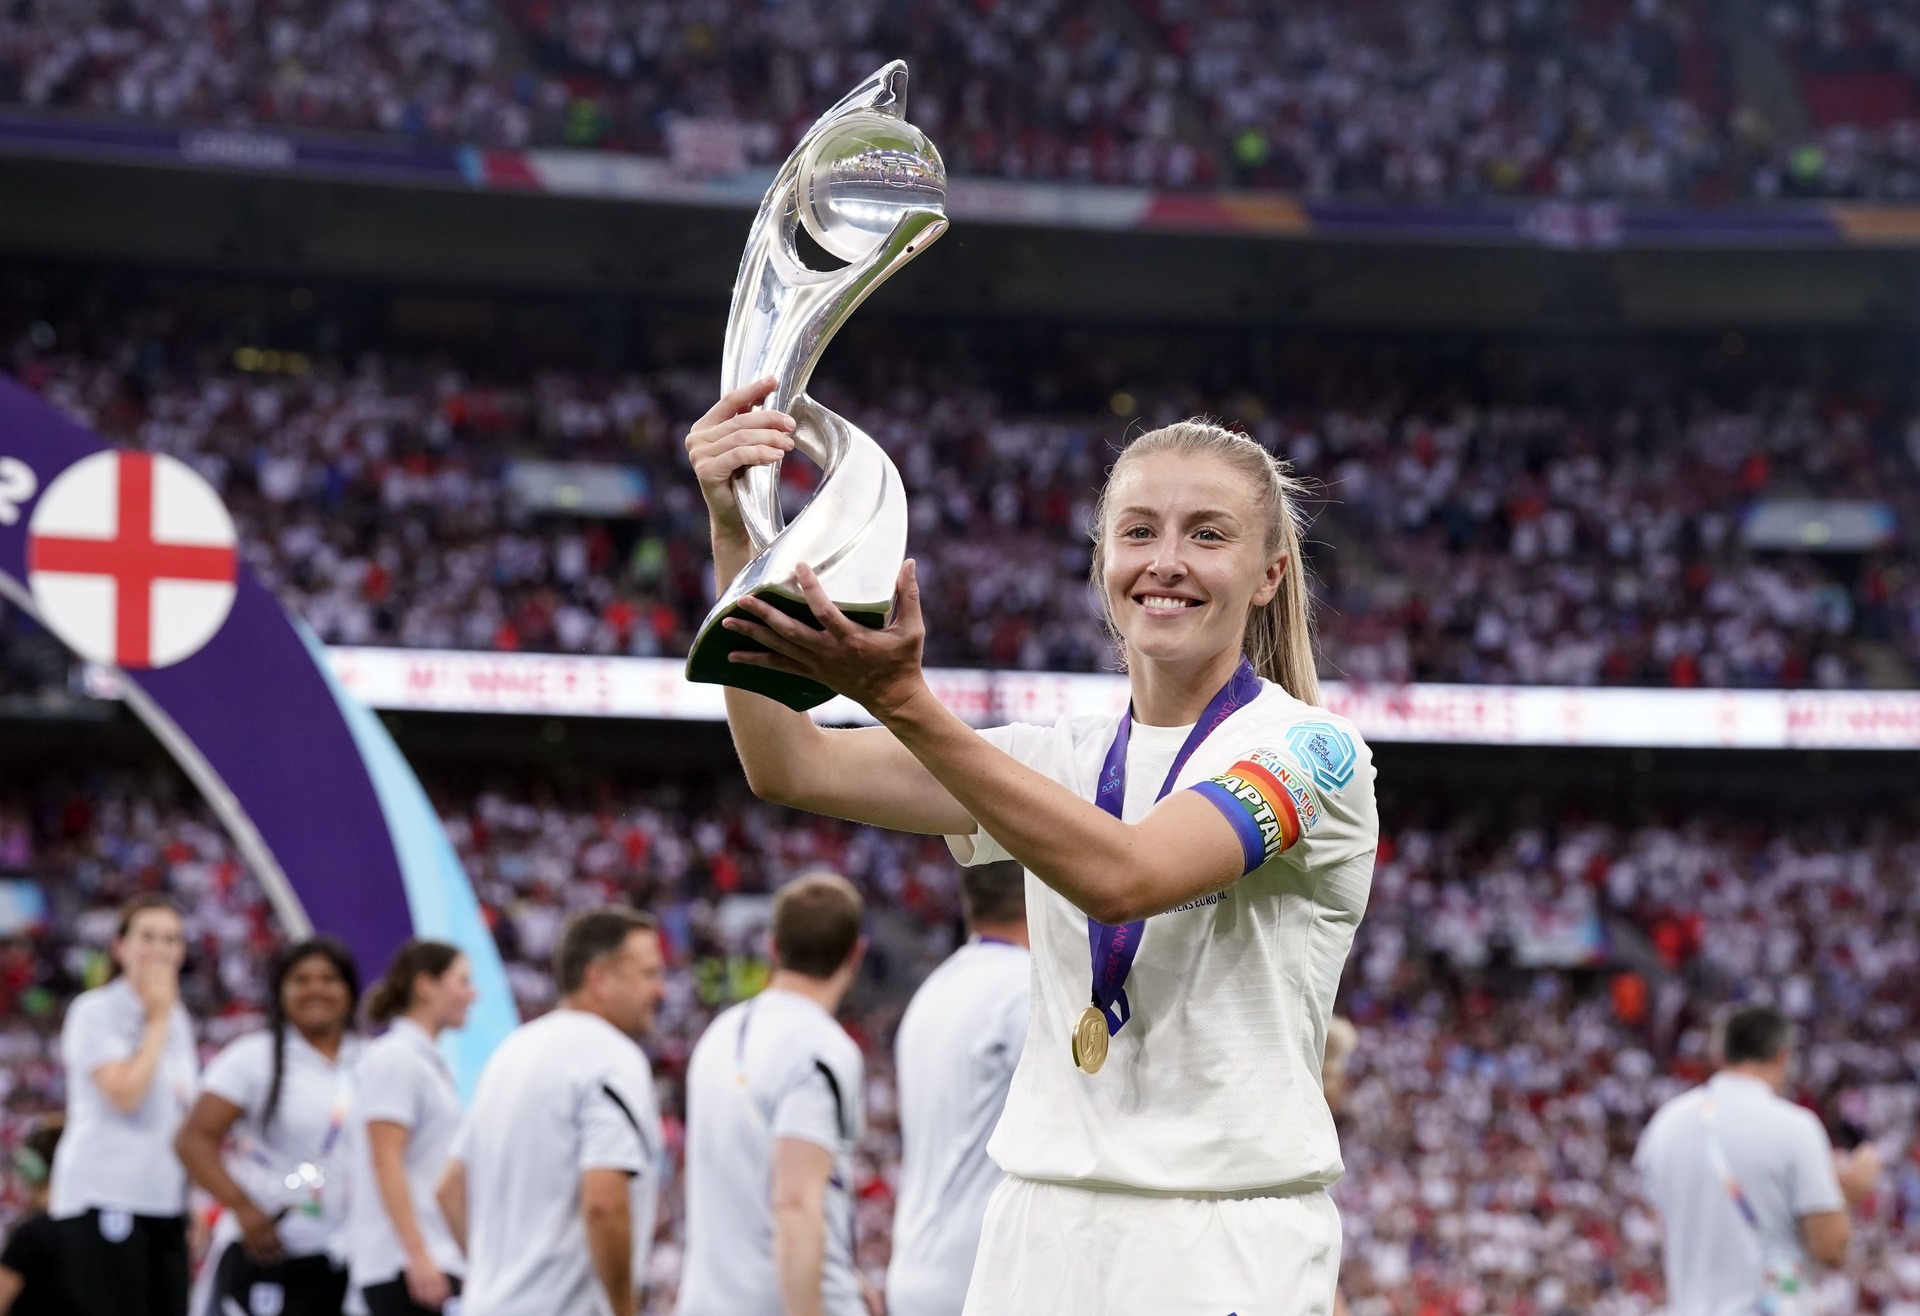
<point>562,685</point>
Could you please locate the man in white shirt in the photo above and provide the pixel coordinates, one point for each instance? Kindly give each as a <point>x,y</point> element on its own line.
<point>954,1058</point>
<point>555,1174</point>
<point>1746,1183</point>
<point>774,1093</point>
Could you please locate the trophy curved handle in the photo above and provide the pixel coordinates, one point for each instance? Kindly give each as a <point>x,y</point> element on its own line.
<point>815,305</point>
<point>759,500</point>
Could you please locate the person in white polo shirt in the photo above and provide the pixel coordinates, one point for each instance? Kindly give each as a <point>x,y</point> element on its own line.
<point>265,1137</point>
<point>1746,1183</point>
<point>554,1179</point>
<point>400,1254</point>
<point>774,1093</point>
<point>119,1194</point>
<point>953,1057</point>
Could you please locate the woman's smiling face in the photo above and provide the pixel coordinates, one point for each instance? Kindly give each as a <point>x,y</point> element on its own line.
<point>315,998</point>
<point>1186,557</point>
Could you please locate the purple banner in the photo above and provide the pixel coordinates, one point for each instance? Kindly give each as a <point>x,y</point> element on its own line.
<point>250,714</point>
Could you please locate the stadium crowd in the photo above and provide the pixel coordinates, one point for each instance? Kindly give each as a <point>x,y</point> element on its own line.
<point>1527,992</point>
<point>1481,530</point>
<point>1410,99</point>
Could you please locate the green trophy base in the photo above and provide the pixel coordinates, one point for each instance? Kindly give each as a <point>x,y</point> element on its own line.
<point>707,661</point>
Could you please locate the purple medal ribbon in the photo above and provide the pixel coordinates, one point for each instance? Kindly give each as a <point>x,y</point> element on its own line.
<point>1113,948</point>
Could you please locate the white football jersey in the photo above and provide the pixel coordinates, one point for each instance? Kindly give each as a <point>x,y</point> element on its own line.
<point>777,1066</point>
<point>562,1095</point>
<point>1214,1083</point>
<point>954,1057</point>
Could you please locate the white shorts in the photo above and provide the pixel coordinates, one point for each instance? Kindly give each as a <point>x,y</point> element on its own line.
<point>1050,1249</point>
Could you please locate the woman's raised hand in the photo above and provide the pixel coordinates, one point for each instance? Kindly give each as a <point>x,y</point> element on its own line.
<point>731,438</point>
<point>877,669</point>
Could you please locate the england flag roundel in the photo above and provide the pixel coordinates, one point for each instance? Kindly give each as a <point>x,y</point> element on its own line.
<point>131,559</point>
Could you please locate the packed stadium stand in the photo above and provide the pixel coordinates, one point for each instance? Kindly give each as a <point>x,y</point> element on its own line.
<point>1529,984</point>
<point>1415,100</point>
<point>1581,514</point>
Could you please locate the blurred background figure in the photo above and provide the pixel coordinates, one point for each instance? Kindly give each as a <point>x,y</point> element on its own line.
<point>264,1139</point>
<point>554,1178</point>
<point>954,1056</point>
<point>33,1274</point>
<point>118,1190</point>
<point>406,1110</point>
<point>1342,1038</point>
<point>775,1093</point>
<point>1748,1188</point>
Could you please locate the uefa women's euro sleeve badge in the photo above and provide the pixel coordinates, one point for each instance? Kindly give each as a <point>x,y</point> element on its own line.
<point>870,189</point>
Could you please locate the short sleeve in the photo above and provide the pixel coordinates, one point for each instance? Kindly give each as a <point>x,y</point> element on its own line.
<point>612,1136</point>
<point>1813,1186</point>
<point>387,1087</point>
<point>1306,792</point>
<point>1024,741</point>
<point>89,1039</point>
<point>816,1107</point>
<point>241,1072</point>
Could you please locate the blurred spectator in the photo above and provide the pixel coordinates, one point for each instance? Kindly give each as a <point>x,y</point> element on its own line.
<point>1413,100</point>
<point>1493,1100</point>
<point>1593,539</point>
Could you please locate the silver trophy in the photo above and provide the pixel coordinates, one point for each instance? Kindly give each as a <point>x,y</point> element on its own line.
<point>871,190</point>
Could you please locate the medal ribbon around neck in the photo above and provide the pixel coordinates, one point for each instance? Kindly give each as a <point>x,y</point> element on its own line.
<point>1113,948</point>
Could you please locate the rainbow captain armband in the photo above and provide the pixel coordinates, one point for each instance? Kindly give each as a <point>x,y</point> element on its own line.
<point>1269,801</point>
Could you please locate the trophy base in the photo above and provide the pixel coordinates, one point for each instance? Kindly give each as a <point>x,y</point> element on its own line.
<point>707,661</point>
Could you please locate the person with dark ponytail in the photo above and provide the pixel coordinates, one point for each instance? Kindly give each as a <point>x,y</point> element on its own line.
<point>283,1092</point>
<point>400,1253</point>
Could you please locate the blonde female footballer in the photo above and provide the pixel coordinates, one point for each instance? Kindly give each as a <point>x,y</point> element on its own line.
<point>1196,870</point>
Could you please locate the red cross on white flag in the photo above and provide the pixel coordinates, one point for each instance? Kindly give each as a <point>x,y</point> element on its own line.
<point>131,559</point>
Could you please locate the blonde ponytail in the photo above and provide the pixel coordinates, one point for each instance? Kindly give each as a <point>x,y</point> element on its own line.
<point>1279,634</point>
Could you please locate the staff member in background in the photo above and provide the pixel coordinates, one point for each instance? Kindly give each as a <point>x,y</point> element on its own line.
<point>554,1180</point>
<point>33,1279</point>
<point>284,1091</point>
<point>119,1193</point>
<point>773,1107</point>
<point>954,1057</point>
<point>1746,1183</point>
<point>400,1254</point>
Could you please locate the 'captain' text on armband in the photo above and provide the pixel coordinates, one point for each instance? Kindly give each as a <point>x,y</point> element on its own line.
<point>1270,802</point>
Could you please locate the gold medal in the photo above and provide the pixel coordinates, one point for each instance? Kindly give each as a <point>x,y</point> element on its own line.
<point>1090,1040</point>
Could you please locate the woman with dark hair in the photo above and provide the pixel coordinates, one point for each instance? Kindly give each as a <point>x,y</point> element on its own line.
<point>400,1253</point>
<point>283,1093</point>
<point>119,1196</point>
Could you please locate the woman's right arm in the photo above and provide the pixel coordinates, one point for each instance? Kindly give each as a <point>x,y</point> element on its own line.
<point>198,1147</point>
<point>124,1083</point>
<point>862,774</point>
<point>387,1146</point>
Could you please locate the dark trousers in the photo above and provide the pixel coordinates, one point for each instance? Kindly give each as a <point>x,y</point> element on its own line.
<point>297,1286</point>
<point>121,1264</point>
<point>392,1299</point>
